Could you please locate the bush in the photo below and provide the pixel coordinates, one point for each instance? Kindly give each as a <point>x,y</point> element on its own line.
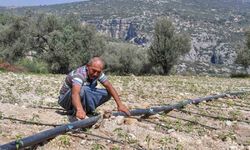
<point>34,65</point>
<point>240,75</point>
<point>124,59</point>
<point>167,45</point>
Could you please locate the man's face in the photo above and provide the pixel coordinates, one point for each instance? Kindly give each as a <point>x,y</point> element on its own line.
<point>94,70</point>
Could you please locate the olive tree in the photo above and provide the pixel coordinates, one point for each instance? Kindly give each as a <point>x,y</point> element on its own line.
<point>243,55</point>
<point>167,45</point>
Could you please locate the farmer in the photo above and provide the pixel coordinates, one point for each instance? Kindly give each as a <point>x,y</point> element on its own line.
<point>79,92</point>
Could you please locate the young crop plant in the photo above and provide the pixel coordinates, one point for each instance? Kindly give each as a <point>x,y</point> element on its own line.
<point>235,115</point>
<point>179,147</point>
<point>1,115</point>
<point>125,136</point>
<point>64,140</point>
<point>35,118</point>
<point>148,140</point>
<point>97,146</point>
<point>225,136</point>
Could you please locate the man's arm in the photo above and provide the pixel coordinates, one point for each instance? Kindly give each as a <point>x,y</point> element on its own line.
<point>76,101</point>
<point>114,94</point>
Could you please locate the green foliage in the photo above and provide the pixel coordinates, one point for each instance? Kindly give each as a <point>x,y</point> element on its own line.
<point>34,65</point>
<point>64,140</point>
<point>243,55</point>
<point>228,135</point>
<point>63,44</point>
<point>167,46</point>
<point>97,146</point>
<point>126,59</point>
<point>239,75</point>
<point>124,135</point>
<point>148,140</point>
<point>1,115</point>
<point>13,39</point>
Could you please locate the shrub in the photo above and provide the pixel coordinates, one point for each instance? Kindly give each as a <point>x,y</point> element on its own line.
<point>34,65</point>
<point>124,59</point>
<point>167,45</point>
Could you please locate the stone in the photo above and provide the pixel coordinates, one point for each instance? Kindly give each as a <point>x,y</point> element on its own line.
<point>229,123</point>
<point>107,114</point>
<point>119,120</point>
<point>130,121</point>
<point>233,148</point>
<point>156,116</point>
<point>171,130</point>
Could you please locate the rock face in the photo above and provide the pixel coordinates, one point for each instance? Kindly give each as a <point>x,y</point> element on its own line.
<point>214,29</point>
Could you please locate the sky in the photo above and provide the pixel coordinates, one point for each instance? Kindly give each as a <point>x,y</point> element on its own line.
<point>19,3</point>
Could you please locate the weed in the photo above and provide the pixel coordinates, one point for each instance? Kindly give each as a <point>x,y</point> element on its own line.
<point>179,147</point>
<point>97,146</point>
<point>35,118</point>
<point>225,136</point>
<point>19,136</point>
<point>124,135</point>
<point>189,126</point>
<point>18,140</point>
<point>64,140</point>
<point>115,148</point>
<point>166,141</point>
<point>148,140</point>
<point>1,115</point>
<point>235,114</point>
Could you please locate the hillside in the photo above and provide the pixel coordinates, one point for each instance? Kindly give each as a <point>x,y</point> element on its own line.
<point>221,124</point>
<point>215,26</point>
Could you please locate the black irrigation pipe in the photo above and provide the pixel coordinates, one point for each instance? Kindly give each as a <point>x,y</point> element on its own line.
<point>48,134</point>
<point>167,108</point>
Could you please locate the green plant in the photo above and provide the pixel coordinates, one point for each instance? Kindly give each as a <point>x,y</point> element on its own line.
<point>34,65</point>
<point>148,140</point>
<point>64,140</point>
<point>1,115</point>
<point>165,141</point>
<point>35,118</point>
<point>18,140</point>
<point>97,146</point>
<point>124,135</point>
<point>225,136</point>
<point>179,147</point>
<point>235,114</point>
<point>115,148</point>
<point>167,45</point>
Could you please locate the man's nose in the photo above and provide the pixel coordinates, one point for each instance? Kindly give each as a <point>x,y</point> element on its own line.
<point>95,73</point>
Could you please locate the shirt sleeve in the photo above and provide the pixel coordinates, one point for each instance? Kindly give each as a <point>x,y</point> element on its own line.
<point>102,78</point>
<point>77,80</point>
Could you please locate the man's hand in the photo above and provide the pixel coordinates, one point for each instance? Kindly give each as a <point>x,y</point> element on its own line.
<point>80,114</point>
<point>124,109</point>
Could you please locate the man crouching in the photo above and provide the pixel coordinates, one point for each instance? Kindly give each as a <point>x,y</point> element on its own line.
<point>79,92</point>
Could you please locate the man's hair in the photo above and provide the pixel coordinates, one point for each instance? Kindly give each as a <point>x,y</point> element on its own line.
<point>94,59</point>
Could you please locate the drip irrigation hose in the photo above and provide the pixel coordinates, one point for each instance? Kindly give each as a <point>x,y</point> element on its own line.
<point>179,105</point>
<point>48,134</point>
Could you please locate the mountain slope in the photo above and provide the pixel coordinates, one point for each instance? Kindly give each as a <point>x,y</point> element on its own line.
<point>215,26</point>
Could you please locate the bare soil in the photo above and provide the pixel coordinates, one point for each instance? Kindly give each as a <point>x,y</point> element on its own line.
<point>223,123</point>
